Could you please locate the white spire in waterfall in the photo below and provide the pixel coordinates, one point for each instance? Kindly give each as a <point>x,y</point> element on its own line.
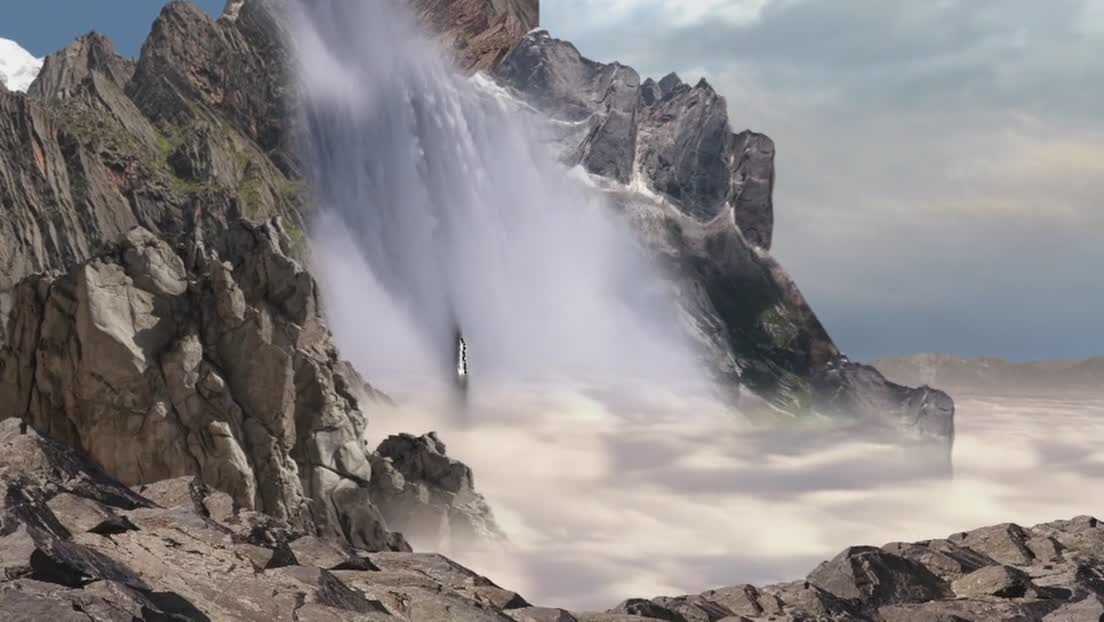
<point>18,67</point>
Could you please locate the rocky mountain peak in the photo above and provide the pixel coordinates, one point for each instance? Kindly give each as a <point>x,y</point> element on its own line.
<point>64,71</point>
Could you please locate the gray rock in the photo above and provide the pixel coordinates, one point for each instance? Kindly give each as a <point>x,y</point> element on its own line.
<point>1005,543</point>
<point>946,559</point>
<point>429,495</point>
<point>875,577</point>
<point>999,581</point>
<point>236,383</point>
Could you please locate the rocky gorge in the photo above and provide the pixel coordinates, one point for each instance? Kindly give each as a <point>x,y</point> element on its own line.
<point>182,439</point>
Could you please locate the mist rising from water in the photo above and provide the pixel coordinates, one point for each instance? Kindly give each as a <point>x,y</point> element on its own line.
<point>439,206</point>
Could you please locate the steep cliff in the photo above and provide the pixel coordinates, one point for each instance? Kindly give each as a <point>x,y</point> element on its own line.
<point>478,33</point>
<point>701,197</point>
<point>212,360</point>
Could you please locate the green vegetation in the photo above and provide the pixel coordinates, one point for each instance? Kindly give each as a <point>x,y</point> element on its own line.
<point>777,324</point>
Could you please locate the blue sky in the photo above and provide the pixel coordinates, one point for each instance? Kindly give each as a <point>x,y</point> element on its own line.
<point>44,26</point>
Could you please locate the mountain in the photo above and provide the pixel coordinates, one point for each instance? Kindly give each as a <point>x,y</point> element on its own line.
<point>198,133</point>
<point>998,376</point>
<point>701,197</point>
<point>18,67</point>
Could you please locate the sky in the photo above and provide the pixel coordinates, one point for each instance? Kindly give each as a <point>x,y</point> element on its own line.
<point>940,164</point>
<point>45,26</point>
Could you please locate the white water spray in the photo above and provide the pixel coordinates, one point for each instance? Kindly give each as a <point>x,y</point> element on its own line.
<point>440,208</point>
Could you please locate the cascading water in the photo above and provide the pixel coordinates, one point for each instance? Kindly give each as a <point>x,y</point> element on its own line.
<point>439,207</point>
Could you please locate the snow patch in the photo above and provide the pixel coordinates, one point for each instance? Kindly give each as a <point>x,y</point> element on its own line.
<point>18,67</point>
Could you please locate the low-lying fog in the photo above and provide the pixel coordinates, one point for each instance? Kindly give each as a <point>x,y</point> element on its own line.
<point>611,491</point>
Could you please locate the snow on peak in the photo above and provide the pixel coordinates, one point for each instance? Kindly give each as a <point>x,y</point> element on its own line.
<point>18,67</point>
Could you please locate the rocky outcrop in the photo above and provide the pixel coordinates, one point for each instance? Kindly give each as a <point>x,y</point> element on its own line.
<point>77,544</point>
<point>416,485</point>
<point>212,360</point>
<point>701,197</point>
<point>995,376</point>
<point>669,137</point>
<point>478,33</point>
<point>1053,571</point>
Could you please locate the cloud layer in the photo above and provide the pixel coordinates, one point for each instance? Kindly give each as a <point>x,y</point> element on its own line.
<point>613,490</point>
<point>939,164</point>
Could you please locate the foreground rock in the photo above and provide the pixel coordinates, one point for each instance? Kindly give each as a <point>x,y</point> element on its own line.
<point>416,485</point>
<point>213,361</point>
<point>701,197</point>
<point>1050,572</point>
<point>78,545</point>
<point>75,544</point>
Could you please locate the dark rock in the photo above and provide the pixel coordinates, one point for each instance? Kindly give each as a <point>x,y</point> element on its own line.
<point>211,365</point>
<point>875,578</point>
<point>1006,543</point>
<point>647,609</point>
<point>701,198</point>
<point>944,558</point>
<point>999,581</point>
<point>429,495</point>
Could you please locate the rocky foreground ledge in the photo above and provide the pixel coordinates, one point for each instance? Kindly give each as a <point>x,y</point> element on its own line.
<point>76,544</point>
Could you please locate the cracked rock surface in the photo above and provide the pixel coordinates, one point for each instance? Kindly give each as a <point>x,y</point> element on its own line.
<point>212,360</point>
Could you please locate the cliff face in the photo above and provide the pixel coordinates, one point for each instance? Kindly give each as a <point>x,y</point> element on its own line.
<point>479,33</point>
<point>152,310</point>
<point>100,145</point>
<point>701,196</point>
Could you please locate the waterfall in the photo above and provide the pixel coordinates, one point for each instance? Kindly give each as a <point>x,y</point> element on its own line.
<point>437,209</point>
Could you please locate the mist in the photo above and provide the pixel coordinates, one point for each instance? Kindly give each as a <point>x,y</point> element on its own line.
<point>610,492</point>
<point>591,427</point>
<point>439,207</point>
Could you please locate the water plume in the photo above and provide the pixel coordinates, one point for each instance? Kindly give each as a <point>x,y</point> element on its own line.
<point>439,207</point>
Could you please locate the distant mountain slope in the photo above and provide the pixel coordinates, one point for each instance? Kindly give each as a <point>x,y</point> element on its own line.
<point>18,67</point>
<point>996,375</point>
